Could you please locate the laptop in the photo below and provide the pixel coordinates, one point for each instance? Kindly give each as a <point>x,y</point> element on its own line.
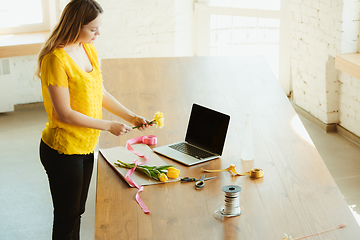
<point>204,140</point>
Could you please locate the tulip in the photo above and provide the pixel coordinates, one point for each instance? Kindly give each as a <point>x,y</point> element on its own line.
<point>158,120</point>
<point>173,172</point>
<point>163,177</point>
<point>153,172</point>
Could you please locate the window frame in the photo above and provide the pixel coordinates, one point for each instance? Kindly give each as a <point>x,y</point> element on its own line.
<point>41,27</point>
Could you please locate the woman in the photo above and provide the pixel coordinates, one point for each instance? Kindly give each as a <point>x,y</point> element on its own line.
<point>73,96</point>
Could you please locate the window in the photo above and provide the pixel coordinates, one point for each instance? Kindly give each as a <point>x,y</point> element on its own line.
<point>253,4</point>
<point>238,35</point>
<point>245,27</point>
<point>20,16</point>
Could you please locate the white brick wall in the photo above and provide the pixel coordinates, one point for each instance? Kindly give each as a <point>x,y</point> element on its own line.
<point>349,102</point>
<point>320,30</point>
<point>349,91</point>
<point>131,28</point>
<point>146,28</point>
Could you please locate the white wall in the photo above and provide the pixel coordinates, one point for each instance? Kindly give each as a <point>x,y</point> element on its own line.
<point>315,39</point>
<point>27,88</point>
<point>320,30</point>
<point>146,28</point>
<point>131,28</point>
<point>349,90</point>
<point>349,101</point>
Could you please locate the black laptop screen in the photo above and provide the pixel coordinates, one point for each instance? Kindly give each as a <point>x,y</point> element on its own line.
<point>207,129</point>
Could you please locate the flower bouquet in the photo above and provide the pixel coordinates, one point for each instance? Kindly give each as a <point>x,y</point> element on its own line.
<point>159,173</point>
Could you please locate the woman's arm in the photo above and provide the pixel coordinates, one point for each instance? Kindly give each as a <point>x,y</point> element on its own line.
<point>115,107</point>
<point>60,99</point>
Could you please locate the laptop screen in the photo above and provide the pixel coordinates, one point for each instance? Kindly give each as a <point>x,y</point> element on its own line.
<point>207,129</point>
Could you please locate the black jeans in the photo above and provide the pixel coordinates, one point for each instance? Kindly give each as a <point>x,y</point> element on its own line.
<point>69,179</point>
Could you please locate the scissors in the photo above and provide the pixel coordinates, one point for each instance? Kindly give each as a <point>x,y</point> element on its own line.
<point>201,183</point>
<point>187,179</point>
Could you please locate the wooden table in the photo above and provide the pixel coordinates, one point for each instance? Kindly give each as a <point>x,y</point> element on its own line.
<point>297,195</point>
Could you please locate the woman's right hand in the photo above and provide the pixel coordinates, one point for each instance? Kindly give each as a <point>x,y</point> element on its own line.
<point>118,128</point>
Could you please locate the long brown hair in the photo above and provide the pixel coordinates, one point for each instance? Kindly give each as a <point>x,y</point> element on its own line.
<point>75,15</point>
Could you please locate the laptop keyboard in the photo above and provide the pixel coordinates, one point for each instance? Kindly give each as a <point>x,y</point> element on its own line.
<point>191,150</point>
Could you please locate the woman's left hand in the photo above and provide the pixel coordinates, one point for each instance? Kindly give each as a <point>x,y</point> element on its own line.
<point>141,121</point>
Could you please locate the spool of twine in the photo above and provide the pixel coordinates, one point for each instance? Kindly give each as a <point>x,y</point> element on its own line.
<point>231,206</point>
<point>232,202</point>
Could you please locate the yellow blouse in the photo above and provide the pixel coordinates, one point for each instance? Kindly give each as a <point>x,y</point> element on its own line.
<point>85,89</point>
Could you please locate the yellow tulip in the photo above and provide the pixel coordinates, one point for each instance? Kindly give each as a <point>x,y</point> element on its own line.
<point>163,177</point>
<point>159,119</point>
<point>174,169</point>
<point>173,172</point>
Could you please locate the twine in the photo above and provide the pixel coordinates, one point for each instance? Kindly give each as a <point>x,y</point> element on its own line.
<point>291,238</point>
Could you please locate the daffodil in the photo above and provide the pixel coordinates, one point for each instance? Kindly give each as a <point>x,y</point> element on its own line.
<point>163,177</point>
<point>158,120</point>
<point>173,172</point>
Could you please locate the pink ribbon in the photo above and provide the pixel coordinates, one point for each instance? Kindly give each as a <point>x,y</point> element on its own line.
<point>149,139</point>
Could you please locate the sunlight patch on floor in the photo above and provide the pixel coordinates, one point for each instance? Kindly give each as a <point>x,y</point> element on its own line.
<point>356,215</point>
<point>299,128</point>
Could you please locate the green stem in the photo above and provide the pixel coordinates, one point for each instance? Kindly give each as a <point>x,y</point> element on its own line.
<point>165,167</point>
<point>149,123</point>
<point>151,171</point>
